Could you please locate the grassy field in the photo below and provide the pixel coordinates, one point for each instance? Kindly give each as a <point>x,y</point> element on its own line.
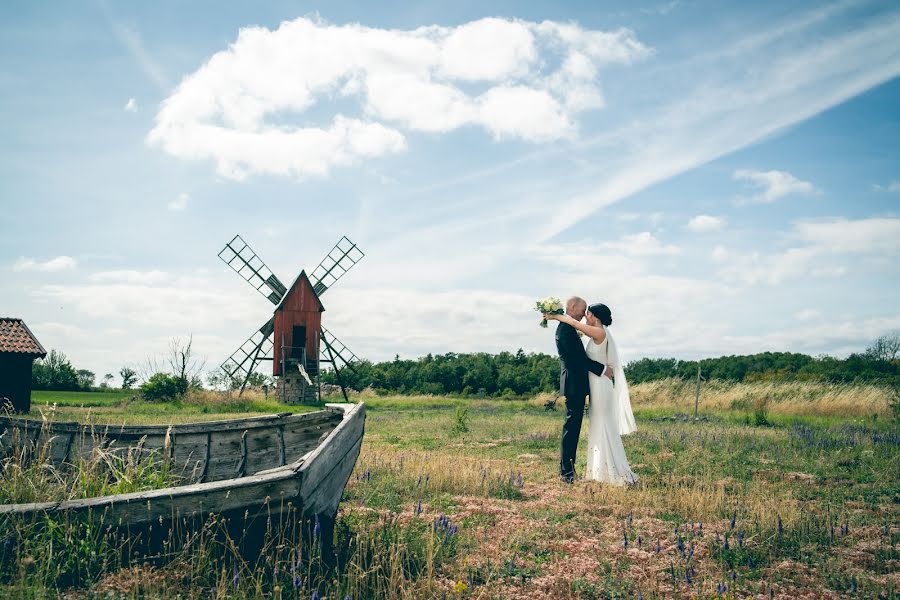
<point>779,490</point>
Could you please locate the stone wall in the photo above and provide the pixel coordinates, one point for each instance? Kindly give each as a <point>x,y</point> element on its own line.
<point>294,390</point>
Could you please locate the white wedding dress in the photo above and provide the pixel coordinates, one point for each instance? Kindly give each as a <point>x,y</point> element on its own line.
<point>610,417</point>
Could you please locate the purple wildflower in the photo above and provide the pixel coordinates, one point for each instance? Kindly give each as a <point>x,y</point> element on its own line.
<point>317,528</point>
<point>741,539</point>
<point>733,519</point>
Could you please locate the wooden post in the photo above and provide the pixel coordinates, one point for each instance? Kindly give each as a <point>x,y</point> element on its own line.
<point>697,392</point>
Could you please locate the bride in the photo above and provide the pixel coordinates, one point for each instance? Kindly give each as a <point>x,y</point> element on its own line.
<point>610,413</point>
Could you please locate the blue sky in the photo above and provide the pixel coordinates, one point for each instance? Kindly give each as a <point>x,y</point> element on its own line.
<point>726,176</point>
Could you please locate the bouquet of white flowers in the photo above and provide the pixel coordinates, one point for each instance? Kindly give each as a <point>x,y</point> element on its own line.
<point>550,306</point>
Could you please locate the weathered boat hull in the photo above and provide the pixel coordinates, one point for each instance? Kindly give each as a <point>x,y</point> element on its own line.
<point>311,482</point>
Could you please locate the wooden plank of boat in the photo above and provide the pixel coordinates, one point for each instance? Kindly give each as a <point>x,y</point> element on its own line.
<point>317,476</point>
<point>201,452</point>
<point>326,471</point>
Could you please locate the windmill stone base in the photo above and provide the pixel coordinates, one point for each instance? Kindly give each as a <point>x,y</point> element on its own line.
<point>295,390</point>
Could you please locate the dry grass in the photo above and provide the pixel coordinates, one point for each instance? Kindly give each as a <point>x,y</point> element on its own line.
<point>787,398</point>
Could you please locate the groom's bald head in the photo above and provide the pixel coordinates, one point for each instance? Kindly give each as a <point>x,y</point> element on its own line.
<point>575,307</point>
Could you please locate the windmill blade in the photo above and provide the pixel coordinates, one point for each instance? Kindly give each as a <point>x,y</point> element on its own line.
<point>256,349</point>
<point>335,265</point>
<point>333,351</point>
<point>238,255</point>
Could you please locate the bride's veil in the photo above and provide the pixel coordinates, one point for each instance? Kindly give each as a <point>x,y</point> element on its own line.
<point>622,397</point>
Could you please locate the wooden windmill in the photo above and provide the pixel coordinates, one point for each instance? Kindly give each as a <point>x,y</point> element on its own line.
<point>293,338</point>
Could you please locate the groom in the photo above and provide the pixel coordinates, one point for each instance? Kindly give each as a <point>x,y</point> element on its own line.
<point>573,384</point>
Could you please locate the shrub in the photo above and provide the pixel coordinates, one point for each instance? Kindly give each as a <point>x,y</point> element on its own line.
<point>761,413</point>
<point>460,420</point>
<point>162,387</point>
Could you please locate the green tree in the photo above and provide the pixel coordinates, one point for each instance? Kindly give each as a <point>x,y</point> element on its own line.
<point>886,347</point>
<point>85,379</point>
<point>129,377</point>
<point>162,387</point>
<point>54,372</point>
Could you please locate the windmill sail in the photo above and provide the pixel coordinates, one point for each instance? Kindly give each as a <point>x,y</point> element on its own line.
<point>334,352</point>
<point>257,348</point>
<point>335,265</point>
<point>238,255</point>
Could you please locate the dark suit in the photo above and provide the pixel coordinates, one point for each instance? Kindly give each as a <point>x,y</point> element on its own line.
<point>573,384</point>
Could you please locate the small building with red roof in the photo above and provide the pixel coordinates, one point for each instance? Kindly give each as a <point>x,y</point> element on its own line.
<point>18,349</point>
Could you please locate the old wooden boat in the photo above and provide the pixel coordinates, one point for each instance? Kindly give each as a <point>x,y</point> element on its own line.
<point>243,466</point>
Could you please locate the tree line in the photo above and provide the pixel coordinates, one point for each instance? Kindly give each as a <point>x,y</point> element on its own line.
<point>508,374</point>
<point>55,372</point>
<point>483,374</point>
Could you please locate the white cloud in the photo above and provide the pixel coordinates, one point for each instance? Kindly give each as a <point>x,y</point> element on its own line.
<point>662,9</point>
<point>129,276</point>
<point>893,186</point>
<point>807,314</point>
<point>653,218</point>
<point>704,223</point>
<point>179,203</point>
<point>60,263</point>
<point>771,185</point>
<point>131,40</point>
<point>824,246</point>
<point>131,106</point>
<point>492,73</point>
<point>165,304</point>
<point>642,244</point>
<point>876,235</point>
<point>720,254</point>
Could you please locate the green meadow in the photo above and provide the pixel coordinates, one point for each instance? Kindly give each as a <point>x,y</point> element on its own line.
<point>774,491</point>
